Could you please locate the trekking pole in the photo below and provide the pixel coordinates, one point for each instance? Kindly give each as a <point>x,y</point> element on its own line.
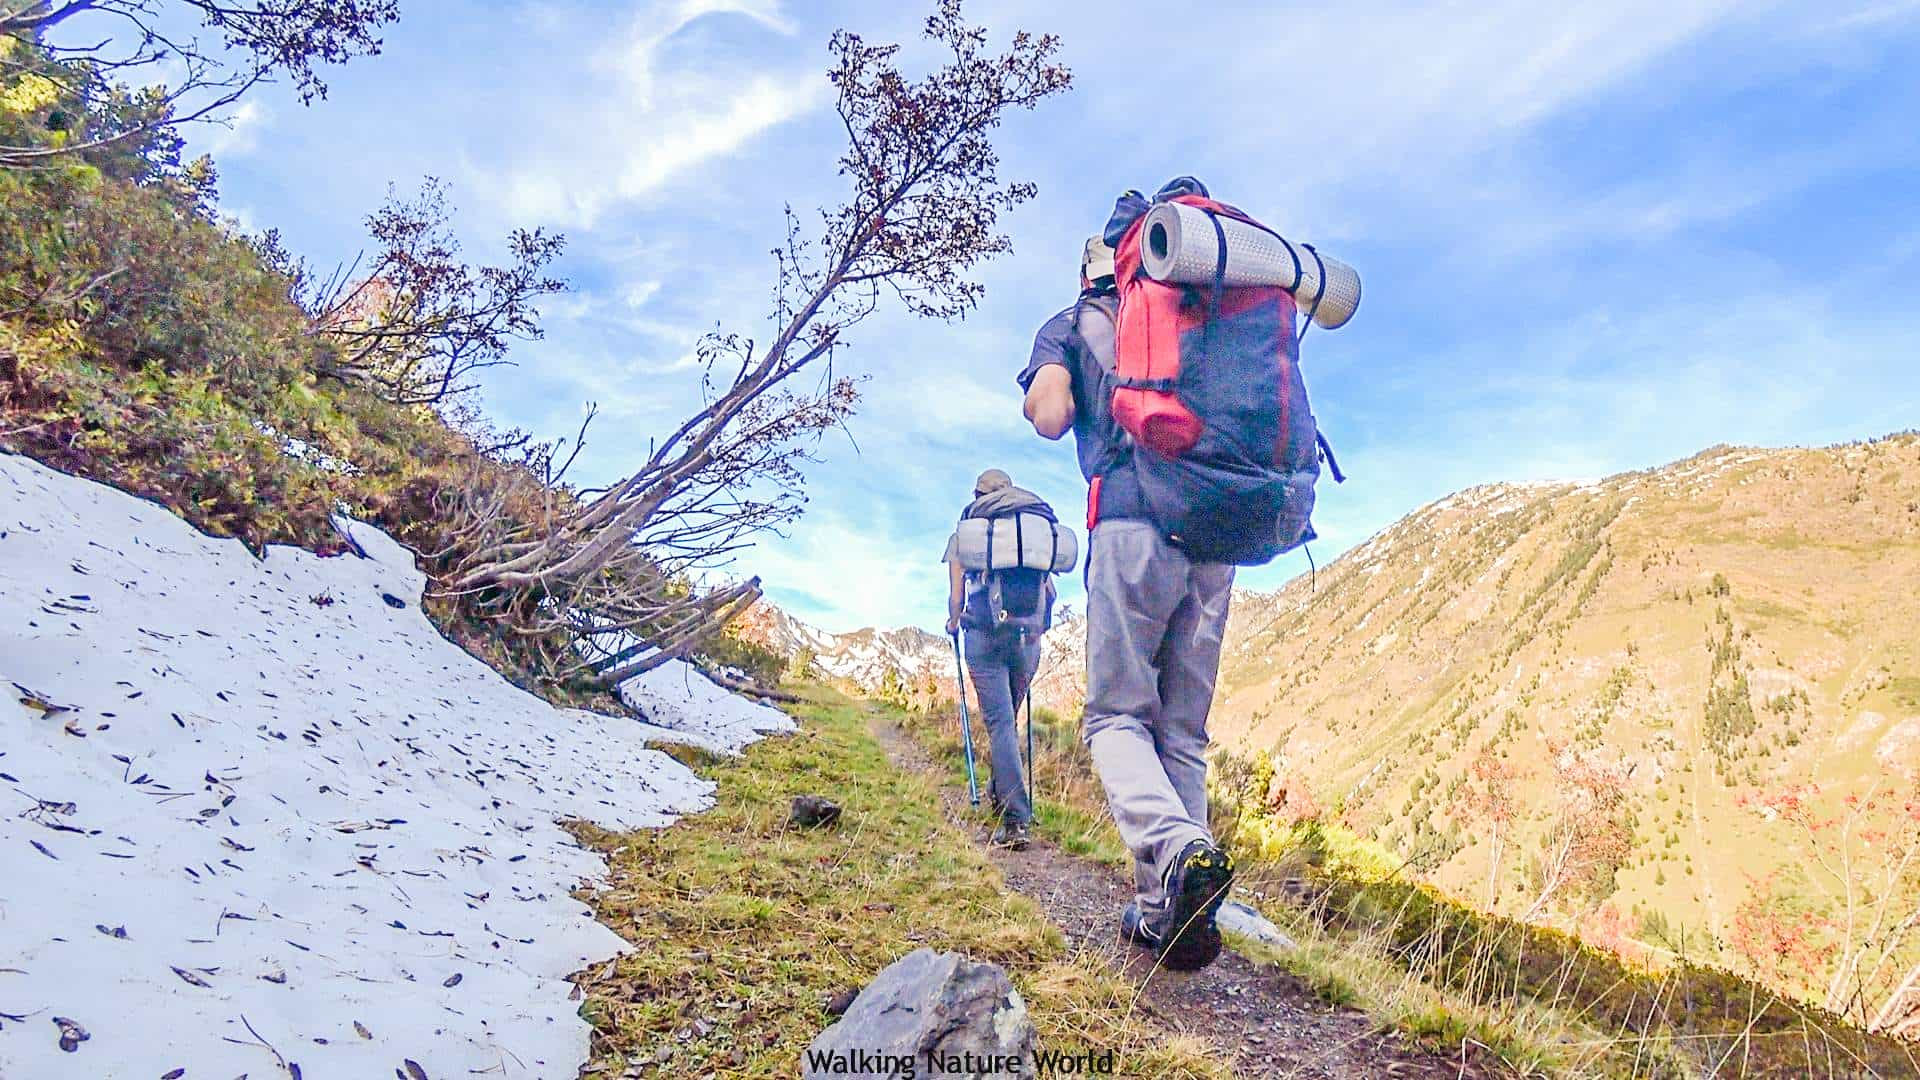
<point>966,728</point>
<point>1030,792</point>
<point>1027,693</point>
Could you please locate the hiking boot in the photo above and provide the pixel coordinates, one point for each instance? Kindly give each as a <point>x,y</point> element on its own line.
<point>1196,884</point>
<point>1136,928</point>
<point>1012,836</point>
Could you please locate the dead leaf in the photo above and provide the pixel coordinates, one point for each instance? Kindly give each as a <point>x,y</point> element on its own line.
<point>360,1029</point>
<point>452,980</point>
<point>71,1034</point>
<point>414,1071</point>
<point>192,979</point>
<point>39,701</point>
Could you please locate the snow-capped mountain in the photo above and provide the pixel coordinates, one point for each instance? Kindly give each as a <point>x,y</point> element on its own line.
<point>863,657</point>
<point>915,657</point>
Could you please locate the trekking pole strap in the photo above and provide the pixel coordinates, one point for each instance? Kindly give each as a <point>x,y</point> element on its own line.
<point>1326,451</point>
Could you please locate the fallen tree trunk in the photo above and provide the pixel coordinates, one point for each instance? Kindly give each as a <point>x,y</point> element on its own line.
<point>749,687</point>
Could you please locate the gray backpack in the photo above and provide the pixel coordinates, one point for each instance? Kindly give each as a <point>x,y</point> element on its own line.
<point>1010,558</point>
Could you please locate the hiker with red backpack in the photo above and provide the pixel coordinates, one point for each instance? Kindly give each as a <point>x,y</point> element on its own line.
<point>1000,560</point>
<point>1192,429</point>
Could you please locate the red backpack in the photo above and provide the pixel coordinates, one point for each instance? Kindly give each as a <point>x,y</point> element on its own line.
<point>1208,385</point>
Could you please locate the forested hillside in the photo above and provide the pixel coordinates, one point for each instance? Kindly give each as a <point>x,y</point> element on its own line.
<point>1677,710</point>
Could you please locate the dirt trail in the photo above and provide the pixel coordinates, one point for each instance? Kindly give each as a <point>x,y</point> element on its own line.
<point>1272,1024</point>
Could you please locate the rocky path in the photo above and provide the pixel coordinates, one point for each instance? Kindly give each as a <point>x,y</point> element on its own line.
<point>1272,1024</point>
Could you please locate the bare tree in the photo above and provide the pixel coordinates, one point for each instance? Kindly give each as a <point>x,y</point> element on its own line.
<point>924,209</point>
<point>1861,855</point>
<point>416,323</point>
<point>92,68</point>
<point>1587,836</point>
<point>1490,796</point>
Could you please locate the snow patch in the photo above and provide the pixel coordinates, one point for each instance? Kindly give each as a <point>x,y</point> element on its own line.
<point>688,707</point>
<point>259,813</point>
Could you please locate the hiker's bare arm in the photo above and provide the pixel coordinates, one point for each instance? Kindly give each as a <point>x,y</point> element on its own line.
<point>956,595</point>
<point>1049,402</point>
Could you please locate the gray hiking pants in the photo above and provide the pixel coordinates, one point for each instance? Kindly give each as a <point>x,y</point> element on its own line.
<point>1154,624</point>
<point>1000,663</point>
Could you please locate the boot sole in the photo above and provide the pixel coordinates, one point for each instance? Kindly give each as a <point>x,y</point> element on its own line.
<point>1196,940</point>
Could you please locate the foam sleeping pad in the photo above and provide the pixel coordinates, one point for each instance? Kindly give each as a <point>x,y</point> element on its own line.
<point>1032,541</point>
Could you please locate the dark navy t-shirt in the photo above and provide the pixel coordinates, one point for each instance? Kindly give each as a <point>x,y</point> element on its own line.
<point>1100,441</point>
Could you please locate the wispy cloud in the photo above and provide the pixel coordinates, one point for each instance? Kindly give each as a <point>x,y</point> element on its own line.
<point>641,120</point>
<point>1356,89</point>
<point>843,571</point>
<point>236,134</point>
<point>1874,15</point>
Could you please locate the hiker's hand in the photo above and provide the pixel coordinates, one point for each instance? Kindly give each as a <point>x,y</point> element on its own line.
<point>953,625</point>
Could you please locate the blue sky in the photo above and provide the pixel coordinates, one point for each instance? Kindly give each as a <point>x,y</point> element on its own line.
<point>1593,239</point>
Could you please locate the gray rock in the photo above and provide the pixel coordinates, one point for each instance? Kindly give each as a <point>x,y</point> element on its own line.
<point>1241,920</point>
<point>813,812</point>
<point>928,1014</point>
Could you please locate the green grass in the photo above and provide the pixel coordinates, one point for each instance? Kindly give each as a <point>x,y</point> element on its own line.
<point>1905,691</point>
<point>1079,832</point>
<point>746,928</point>
<point>1069,807</point>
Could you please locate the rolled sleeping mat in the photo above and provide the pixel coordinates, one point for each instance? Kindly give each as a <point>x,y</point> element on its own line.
<point>1178,244</point>
<point>1032,541</point>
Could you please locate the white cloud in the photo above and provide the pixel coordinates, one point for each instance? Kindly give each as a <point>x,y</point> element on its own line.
<point>767,12</point>
<point>242,218</point>
<point>1876,15</point>
<point>936,401</point>
<point>237,134</point>
<point>636,293</point>
<point>842,572</point>
<point>1349,91</point>
<point>637,122</point>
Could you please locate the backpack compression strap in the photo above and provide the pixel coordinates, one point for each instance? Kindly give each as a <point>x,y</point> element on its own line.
<point>1319,294</point>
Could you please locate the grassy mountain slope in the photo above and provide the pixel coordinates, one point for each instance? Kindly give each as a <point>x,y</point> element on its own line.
<point>1738,622</point>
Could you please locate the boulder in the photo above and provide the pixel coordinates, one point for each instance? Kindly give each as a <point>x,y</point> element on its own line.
<point>928,1014</point>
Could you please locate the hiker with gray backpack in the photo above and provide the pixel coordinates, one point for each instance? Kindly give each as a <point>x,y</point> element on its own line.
<point>1001,559</point>
<point>1177,371</point>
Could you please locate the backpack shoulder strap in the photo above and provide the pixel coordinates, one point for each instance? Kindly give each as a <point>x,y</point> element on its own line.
<point>1096,319</point>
